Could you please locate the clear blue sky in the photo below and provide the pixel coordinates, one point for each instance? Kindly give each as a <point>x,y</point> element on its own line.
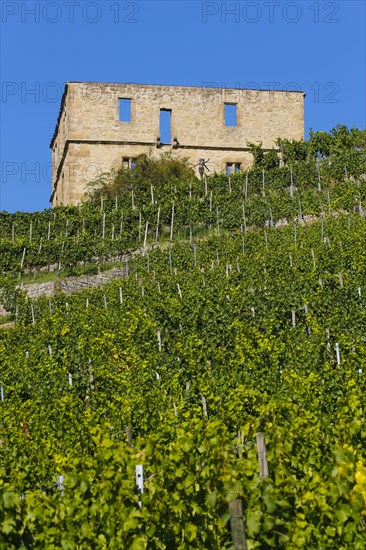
<point>318,47</point>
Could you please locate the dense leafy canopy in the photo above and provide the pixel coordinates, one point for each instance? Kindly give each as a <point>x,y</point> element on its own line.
<point>242,328</point>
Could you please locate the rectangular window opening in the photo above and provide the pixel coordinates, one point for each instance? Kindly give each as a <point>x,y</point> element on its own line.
<point>125,109</point>
<point>230,114</point>
<point>165,125</point>
<point>233,167</point>
<point>128,163</point>
<point>229,167</point>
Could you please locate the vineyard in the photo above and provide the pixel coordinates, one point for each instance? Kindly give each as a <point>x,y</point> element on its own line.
<point>214,396</point>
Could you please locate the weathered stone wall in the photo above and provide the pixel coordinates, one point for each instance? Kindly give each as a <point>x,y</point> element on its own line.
<point>87,161</point>
<point>71,284</point>
<point>89,138</point>
<point>67,286</point>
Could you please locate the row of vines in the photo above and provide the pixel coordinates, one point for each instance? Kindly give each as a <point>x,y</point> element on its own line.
<point>97,232</point>
<point>177,366</point>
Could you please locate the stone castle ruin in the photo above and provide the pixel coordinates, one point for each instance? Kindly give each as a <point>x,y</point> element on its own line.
<point>104,126</point>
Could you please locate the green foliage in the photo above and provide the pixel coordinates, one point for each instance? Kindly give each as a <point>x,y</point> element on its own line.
<point>266,161</point>
<point>10,294</point>
<point>147,171</point>
<point>293,150</point>
<point>257,152</point>
<point>339,141</point>
<point>203,344</point>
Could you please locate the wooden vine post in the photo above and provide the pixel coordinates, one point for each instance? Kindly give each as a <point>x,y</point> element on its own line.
<point>236,506</point>
<point>172,223</point>
<point>262,455</point>
<point>237,524</point>
<point>129,436</point>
